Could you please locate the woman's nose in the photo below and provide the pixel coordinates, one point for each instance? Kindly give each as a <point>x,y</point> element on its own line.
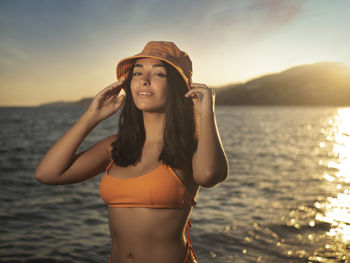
<point>145,81</point>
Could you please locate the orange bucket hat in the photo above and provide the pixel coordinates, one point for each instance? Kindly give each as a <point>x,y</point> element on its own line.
<point>163,50</point>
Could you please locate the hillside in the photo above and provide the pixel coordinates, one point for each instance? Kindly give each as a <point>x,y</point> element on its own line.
<point>81,103</point>
<point>324,83</point>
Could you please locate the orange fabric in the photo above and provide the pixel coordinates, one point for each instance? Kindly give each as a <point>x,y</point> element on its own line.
<point>160,188</point>
<point>190,256</point>
<point>165,51</point>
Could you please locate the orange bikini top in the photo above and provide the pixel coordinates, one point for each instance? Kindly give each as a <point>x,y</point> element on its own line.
<point>160,188</point>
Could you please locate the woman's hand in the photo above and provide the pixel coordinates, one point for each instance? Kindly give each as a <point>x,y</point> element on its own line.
<point>203,98</point>
<point>105,102</point>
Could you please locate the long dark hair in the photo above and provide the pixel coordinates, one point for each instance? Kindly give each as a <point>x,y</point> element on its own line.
<point>180,133</point>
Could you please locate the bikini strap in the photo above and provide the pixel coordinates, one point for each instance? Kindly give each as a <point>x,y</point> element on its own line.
<point>109,166</point>
<point>189,225</point>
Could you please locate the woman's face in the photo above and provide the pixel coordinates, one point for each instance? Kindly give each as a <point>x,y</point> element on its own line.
<point>149,84</point>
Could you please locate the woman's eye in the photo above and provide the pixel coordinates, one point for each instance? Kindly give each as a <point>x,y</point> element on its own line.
<point>160,74</point>
<point>155,74</point>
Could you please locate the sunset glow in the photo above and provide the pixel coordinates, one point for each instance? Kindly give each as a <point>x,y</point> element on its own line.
<point>67,50</point>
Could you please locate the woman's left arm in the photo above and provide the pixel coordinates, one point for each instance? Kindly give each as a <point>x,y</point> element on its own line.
<point>210,165</point>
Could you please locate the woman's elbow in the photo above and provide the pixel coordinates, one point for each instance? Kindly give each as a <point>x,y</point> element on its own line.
<point>43,178</point>
<point>40,178</point>
<point>210,179</point>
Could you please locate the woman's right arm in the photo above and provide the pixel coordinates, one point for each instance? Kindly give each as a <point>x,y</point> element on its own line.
<point>61,164</point>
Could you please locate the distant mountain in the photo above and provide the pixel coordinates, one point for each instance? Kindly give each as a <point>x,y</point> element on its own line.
<point>81,103</point>
<point>323,83</point>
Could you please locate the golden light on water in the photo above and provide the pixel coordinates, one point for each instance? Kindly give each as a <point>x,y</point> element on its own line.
<point>337,214</point>
<point>336,210</point>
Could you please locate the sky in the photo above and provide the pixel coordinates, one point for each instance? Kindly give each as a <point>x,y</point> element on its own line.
<point>54,50</point>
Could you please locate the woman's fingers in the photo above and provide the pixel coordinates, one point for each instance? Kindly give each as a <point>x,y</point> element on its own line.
<point>202,96</point>
<point>108,95</point>
<point>113,89</point>
<point>198,90</point>
<point>119,102</point>
<point>198,85</point>
<point>107,102</point>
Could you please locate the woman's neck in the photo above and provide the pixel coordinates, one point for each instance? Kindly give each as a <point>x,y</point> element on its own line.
<point>154,126</point>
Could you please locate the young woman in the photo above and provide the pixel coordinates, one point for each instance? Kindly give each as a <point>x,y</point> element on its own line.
<point>166,147</point>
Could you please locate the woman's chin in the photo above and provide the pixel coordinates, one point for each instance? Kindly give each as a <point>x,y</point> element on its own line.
<point>149,109</point>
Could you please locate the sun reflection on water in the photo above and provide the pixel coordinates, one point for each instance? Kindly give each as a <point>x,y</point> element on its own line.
<point>336,210</point>
<point>337,214</point>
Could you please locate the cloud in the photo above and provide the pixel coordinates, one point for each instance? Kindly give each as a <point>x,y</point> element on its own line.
<point>216,22</point>
<point>253,18</point>
<point>204,21</point>
<point>275,13</point>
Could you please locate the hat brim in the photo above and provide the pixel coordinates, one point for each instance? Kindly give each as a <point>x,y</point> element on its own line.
<point>124,66</point>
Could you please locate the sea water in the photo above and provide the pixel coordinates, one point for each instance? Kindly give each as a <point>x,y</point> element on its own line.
<point>287,197</point>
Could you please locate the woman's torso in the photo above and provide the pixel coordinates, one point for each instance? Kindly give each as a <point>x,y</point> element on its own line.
<point>147,234</point>
<point>142,234</point>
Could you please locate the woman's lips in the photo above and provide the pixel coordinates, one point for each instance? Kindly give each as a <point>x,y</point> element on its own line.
<point>144,94</point>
